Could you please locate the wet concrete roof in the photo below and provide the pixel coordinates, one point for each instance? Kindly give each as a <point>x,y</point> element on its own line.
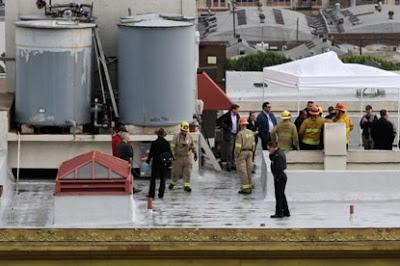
<point>213,203</point>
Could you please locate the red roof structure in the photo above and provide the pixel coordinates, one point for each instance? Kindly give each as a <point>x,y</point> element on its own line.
<point>211,94</point>
<point>94,172</point>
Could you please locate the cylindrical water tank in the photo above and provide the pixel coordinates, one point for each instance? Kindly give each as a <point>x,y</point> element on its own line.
<point>53,66</point>
<point>156,65</point>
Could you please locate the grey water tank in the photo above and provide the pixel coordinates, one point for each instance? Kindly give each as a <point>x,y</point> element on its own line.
<point>53,72</point>
<point>156,71</point>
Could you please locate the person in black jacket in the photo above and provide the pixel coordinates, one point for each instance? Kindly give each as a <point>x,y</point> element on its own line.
<point>278,166</point>
<point>383,133</point>
<point>331,113</point>
<point>300,118</point>
<point>229,122</point>
<point>161,156</point>
<point>124,150</point>
<point>252,119</point>
<point>366,125</point>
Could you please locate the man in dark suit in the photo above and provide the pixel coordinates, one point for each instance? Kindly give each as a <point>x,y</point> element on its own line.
<point>229,122</point>
<point>383,132</point>
<point>266,121</point>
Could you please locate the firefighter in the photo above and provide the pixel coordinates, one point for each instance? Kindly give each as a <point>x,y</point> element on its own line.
<point>285,133</point>
<point>182,147</point>
<point>341,117</point>
<point>310,130</point>
<point>244,147</point>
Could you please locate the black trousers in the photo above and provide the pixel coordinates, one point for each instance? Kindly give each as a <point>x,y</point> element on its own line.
<point>158,171</point>
<point>280,198</point>
<point>308,147</point>
<point>264,141</point>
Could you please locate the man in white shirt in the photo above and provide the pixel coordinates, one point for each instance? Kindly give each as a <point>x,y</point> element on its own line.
<point>266,121</point>
<point>229,122</point>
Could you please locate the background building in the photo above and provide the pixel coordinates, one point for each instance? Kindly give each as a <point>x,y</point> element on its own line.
<point>364,25</point>
<point>295,4</point>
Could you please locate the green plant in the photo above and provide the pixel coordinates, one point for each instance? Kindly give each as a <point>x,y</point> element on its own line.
<point>371,61</point>
<point>256,62</point>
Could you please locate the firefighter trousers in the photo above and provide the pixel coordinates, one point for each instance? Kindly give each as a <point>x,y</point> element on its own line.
<point>244,167</point>
<point>182,167</point>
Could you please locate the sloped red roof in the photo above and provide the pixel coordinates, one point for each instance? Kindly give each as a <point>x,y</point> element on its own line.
<point>211,94</point>
<point>94,172</point>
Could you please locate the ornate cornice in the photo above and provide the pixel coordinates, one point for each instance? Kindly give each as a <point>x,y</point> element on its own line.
<point>199,235</point>
<point>219,243</point>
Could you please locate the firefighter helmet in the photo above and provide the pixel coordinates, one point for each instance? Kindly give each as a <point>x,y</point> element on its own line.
<point>285,115</point>
<point>185,126</point>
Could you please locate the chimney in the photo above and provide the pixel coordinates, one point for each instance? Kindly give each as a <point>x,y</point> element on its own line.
<point>337,9</point>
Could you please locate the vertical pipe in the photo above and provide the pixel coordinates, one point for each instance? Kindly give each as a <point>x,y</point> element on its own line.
<point>298,99</point>
<point>297,31</point>
<point>182,8</point>
<point>18,160</point>
<point>361,113</point>
<point>263,83</point>
<point>234,19</point>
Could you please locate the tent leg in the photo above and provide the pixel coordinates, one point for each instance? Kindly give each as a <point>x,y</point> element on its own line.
<point>361,115</point>
<point>298,101</point>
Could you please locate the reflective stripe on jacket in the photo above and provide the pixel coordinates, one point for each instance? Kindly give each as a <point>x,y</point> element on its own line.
<point>245,141</point>
<point>349,125</point>
<point>310,130</point>
<point>182,145</point>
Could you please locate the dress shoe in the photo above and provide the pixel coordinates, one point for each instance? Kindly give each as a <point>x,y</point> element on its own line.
<point>277,216</point>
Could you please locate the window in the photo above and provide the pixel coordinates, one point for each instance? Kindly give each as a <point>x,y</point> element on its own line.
<point>212,60</point>
<point>85,172</point>
<point>101,171</point>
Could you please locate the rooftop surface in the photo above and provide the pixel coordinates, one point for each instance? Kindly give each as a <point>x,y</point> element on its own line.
<point>313,47</point>
<point>364,19</point>
<point>214,203</point>
<point>273,29</point>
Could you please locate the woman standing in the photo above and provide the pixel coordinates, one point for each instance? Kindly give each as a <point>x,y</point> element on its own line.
<point>161,156</point>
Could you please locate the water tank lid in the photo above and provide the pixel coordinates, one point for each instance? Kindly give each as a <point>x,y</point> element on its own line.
<point>154,21</point>
<point>159,23</point>
<point>34,17</point>
<point>54,24</point>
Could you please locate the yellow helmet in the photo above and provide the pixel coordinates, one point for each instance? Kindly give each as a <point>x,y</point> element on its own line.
<point>185,126</point>
<point>285,115</point>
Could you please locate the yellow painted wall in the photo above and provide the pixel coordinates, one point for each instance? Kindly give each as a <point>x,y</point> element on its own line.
<point>201,262</point>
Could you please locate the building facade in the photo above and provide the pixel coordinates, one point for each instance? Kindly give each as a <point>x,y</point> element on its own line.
<point>294,4</point>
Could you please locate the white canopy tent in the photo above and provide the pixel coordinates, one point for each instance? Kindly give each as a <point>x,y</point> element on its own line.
<point>328,71</point>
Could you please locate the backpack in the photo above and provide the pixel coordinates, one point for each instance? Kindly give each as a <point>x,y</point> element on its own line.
<point>166,159</point>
